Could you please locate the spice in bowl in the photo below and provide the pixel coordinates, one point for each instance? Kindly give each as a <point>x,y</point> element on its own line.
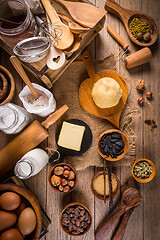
<point>142,170</point>
<point>140,30</point>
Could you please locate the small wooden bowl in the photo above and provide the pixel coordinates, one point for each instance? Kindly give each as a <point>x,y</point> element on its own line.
<point>52,173</point>
<point>66,230</point>
<point>107,197</point>
<point>146,180</point>
<point>126,146</point>
<point>9,187</point>
<point>11,85</point>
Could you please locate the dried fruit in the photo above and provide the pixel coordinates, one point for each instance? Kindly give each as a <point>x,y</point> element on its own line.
<point>66,189</point>
<point>71,175</point>
<point>140,84</point>
<point>66,173</point>
<point>66,167</point>
<point>63,182</point>
<point>58,171</point>
<point>149,94</point>
<point>71,184</point>
<point>55,180</point>
<point>60,188</point>
<point>140,100</point>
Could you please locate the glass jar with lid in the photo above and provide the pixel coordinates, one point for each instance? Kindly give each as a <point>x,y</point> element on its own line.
<point>13,118</point>
<point>16,21</point>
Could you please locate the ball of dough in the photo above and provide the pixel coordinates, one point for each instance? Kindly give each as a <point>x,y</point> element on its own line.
<point>106,92</point>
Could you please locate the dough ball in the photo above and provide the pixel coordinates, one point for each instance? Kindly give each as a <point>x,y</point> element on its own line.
<point>106,92</point>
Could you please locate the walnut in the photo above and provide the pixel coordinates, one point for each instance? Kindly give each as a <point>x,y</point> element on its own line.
<point>55,180</point>
<point>140,84</point>
<point>58,171</point>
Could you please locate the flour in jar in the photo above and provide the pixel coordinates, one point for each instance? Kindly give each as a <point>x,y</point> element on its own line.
<point>41,102</point>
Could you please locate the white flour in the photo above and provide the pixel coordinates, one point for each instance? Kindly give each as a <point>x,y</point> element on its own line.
<point>41,102</point>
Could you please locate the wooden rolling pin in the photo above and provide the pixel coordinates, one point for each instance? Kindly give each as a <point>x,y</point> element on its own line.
<point>31,137</point>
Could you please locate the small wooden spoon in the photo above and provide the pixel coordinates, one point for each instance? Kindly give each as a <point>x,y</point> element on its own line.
<point>75,45</point>
<point>17,65</point>
<point>131,198</point>
<point>127,15</point>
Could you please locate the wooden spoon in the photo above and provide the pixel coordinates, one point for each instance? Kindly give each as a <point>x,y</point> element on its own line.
<point>17,65</point>
<point>85,92</point>
<point>127,15</point>
<point>75,45</point>
<point>67,38</point>
<point>131,198</point>
<point>85,14</point>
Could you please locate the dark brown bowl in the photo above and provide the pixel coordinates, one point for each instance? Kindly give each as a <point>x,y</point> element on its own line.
<point>126,147</point>
<point>65,229</point>
<point>10,187</point>
<point>107,197</point>
<point>52,171</point>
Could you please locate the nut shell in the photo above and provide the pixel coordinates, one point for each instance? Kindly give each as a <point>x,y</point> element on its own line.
<point>140,84</point>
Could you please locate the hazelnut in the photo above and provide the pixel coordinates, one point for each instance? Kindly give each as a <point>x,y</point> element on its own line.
<point>140,100</point>
<point>55,180</point>
<point>139,36</point>
<point>66,189</point>
<point>147,37</point>
<point>149,94</point>
<point>71,184</point>
<point>63,182</point>
<point>71,175</point>
<point>66,173</point>
<point>58,171</point>
<point>140,84</point>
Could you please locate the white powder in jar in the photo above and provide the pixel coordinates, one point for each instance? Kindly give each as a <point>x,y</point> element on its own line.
<point>41,102</point>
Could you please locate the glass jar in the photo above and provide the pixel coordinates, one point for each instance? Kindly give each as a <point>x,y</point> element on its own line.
<point>31,163</point>
<point>13,118</point>
<point>20,23</point>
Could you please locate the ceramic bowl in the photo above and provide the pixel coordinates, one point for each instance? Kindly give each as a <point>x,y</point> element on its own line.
<point>107,197</point>
<point>9,187</point>
<point>146,180</point>
<point>126,147</point>
<point>52,173</point>
<point>65,229</point>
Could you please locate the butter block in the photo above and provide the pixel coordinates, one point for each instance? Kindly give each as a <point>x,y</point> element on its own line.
<point>71,136</point>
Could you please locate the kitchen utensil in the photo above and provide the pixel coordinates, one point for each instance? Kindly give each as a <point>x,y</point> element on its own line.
<point>11,22</point>
<point>83,13</point>
<point>75,45</point>
<point>131,198</point>
<point>85,90</point>
<point>109,167</point>
<point>55,58</point>
<point>123,224</point>
<point>146,180</point>
<point>126,146</point>
<point>126,17</point>
<point>17,65</point>
<point>26,194</point>
<point>31,137</point>
<point>75,27</point>
<point>135,59</point>
<point>86,143</point>
<point>4,86</point>
<point>11,85</point>
<point>67,38</point>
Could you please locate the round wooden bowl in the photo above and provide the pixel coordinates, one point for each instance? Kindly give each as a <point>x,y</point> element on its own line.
<point>9,187</point>
<point>66,230</point>
<point>52,173</point>
<point>107,197</point>
<point>146,180</point>
<point>126,146</point>
<point>11,85</point>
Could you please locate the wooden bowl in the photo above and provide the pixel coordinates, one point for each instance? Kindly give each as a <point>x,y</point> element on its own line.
<point>66,230</point>
<point>107,197</point>
<point>146,180</point>
<point>11,85</point>
<point>9,187</point>
<point>126,146</point>
<point>52,173</point>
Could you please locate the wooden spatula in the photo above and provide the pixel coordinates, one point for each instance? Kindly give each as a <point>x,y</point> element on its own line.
<point>83,13</point>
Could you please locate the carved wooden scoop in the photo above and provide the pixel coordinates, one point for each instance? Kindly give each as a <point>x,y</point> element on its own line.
<point>131,198</point>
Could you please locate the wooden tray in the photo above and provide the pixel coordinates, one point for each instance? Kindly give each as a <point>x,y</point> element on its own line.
<point>40,70</point>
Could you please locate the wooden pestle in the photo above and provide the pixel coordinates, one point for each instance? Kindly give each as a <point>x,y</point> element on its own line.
<point>31,137</point>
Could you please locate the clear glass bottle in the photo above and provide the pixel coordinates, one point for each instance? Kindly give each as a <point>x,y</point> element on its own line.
<point>31,163</point>
<point>20,23</point>
<point>13,118</point>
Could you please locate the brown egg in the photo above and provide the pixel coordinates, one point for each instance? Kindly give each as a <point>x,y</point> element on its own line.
<point>27,221</point>
<point>11,234</point>
<point>7,220</point>
<point>9,201</point>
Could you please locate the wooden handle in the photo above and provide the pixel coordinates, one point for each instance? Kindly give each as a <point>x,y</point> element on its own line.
<point>110,223</point>
<point>115,8</point>
<point>138,58</point>
<point>112,31</point>
<point>122,227</point>
<point>88,64</point>
<point>51,12</point>
<point>17,65</point>
<point>65,18</point>
<point>54,117</point>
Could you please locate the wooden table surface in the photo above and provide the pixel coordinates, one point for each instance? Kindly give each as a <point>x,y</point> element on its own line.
<point>144,223</point>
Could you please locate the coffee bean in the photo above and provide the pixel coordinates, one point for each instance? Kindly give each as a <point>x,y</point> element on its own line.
<point>82,218</point>
<point>75,233</point>
<point>86,217</point>
<point>82,224</point>
<point>82,212</point>
<point>74,227</point>
<point>73,221</point>
<point>70,227</point>
<point>80,230</point>
<point>71,210</point>
<point>81,208</point>
<point>77,211</point>
<point>65,215</point>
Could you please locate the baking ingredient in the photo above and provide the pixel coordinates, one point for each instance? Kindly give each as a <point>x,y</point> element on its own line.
<point>9,201</point>
<point>137,26</point>
<point>41,102</point>
<point>98,184</point>
<point>147,37</point>
<point>59,171</point>
<point>7,220</point>
<point>55,180</point>
<point>71,136</point>
<point>31,163</point>
<point>106,92</point>
<point>27,221</point>
<point>149,94</point>
<point>139,36</point>
<point>76,219</point>
<point>11,234</point>
<point>140,100</point>
<point>140,84</point>
<point>112,144</point>
<point>142,170</point>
